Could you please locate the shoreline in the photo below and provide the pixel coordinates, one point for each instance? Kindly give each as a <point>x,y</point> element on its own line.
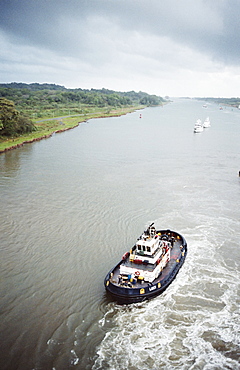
<point>48,135</point>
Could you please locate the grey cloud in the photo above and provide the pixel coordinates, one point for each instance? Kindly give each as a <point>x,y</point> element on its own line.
<point>210,26</point>
<point>120,43</point>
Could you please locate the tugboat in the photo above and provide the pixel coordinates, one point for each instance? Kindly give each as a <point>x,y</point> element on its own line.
<point>148,268</point>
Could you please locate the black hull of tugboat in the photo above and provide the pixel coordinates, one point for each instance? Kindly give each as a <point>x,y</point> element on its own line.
<point>126,295</point>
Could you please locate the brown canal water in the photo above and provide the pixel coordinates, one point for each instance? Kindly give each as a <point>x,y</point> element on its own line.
<point>72,205</point>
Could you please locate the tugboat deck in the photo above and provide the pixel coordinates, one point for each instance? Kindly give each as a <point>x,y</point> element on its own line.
<point>175,255</point>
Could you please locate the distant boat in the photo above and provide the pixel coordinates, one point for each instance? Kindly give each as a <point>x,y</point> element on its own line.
<point>204,105</point>
<point>198,126</point>
<point>206,123</point>
<point>221,108</point>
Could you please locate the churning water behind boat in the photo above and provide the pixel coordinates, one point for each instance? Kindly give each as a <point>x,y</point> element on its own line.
<point>71,206</point>
<point>193,325</point>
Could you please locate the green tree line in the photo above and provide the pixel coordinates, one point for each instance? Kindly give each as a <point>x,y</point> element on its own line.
<point>25,95</point>
<point>20,100</point>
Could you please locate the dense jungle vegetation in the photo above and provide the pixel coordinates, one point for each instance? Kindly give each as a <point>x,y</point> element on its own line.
<point>32,111</point>
<point>37,101</point>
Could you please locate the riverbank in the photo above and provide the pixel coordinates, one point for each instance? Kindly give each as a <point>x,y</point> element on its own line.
<point>47,127</point>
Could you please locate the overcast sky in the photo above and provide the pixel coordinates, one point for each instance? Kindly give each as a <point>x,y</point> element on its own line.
<point>163,47</point>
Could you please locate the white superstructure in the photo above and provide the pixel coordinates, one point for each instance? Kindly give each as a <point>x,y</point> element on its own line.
<point>148,257</point>
<point>206,123</point>
<point>198,126</point>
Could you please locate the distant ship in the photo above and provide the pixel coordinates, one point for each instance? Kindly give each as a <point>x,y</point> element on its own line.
<point>198,126</point>
<point>206,123</point>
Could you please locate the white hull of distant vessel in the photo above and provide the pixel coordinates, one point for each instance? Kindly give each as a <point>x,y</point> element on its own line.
<point>198,126</point>
<point>206,123</point>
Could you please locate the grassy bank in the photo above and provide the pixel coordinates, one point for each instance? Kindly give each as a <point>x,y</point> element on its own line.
<point>46,126</point>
